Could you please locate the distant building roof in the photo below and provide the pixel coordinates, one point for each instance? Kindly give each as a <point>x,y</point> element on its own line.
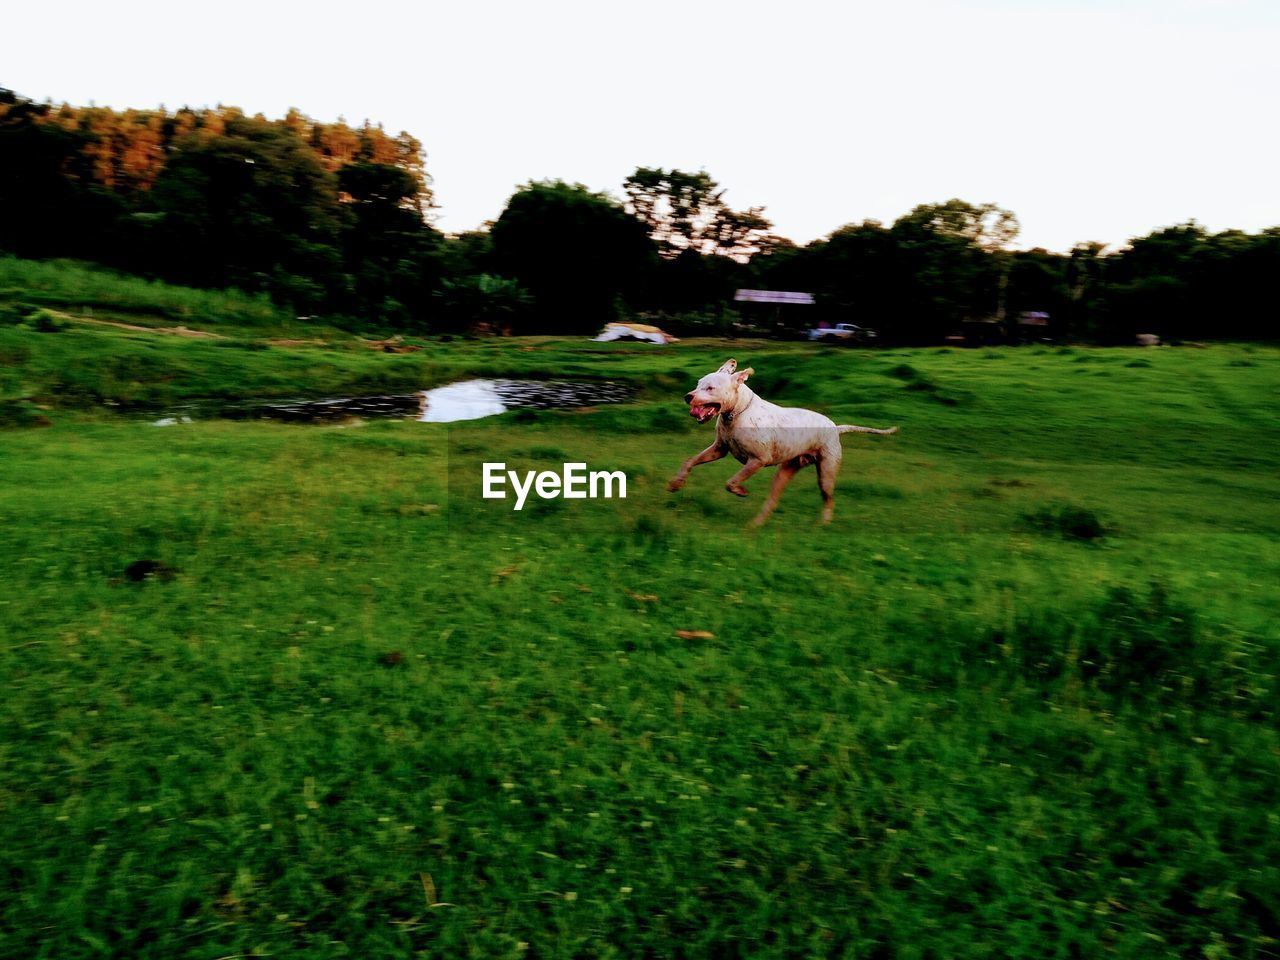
<point>773,296</point>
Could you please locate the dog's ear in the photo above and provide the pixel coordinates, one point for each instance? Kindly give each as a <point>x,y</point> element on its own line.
<point>728,366</point>
<point>742,375</point>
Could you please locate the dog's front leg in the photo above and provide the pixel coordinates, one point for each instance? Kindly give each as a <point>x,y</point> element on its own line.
<point>735,482</point>
<point>714,452</point>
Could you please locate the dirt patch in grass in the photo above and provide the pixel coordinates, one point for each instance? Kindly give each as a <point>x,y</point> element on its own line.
<point>178,331</point>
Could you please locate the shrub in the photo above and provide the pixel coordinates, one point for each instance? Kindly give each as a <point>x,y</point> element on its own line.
<point>43,321</point>
<point>19,413</point>
<point>1069,522</point>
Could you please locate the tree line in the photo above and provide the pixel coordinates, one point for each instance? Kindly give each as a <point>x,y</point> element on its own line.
<point>334,220</point>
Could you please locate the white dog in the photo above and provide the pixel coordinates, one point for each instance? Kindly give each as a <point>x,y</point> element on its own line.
<point>760,434</point>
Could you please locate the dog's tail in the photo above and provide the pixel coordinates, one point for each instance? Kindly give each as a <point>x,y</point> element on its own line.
<point>850,428</point>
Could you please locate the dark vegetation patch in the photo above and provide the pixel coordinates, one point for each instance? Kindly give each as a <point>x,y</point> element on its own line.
<point>148,569</point>
<point>1131,647</point>
<point>550,454</point>
<point>650,529</point>
<point>21,413</point>
<point>232,344</point>
<point>1067,521</point>
<point>931,389</point>
<point>44,321</point>
<point>15,355</point>
<point>883,491</point>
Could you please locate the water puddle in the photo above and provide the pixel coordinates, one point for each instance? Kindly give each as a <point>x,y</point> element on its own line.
<point>473,399</point>
<point>465,400</point>
<point>322,411</point>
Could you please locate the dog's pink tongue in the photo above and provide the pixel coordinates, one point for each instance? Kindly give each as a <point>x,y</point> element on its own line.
<point>700,412</point>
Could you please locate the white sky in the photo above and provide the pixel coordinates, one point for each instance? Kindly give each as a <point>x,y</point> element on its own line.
<point>1090,119</point>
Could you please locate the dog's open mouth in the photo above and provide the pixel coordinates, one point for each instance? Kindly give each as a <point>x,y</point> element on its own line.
<point>702,412</point>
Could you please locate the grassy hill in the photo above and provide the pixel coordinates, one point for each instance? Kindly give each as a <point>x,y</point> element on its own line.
<point>298,690</point>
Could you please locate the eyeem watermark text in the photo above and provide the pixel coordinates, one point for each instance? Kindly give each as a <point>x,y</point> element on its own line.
<point>573,482</point>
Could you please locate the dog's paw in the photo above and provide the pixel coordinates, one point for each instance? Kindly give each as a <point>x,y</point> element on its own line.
<point>674,484</point>
<point>736,489</point>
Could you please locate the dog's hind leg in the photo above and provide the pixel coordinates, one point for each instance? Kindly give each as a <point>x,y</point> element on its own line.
<point>828,469</point>
<point>785,472</point>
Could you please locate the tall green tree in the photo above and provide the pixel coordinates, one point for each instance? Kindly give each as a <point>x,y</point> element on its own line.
<point>252,208</point>
<point>852,273</point>
<point>575,250</point>
<point>482,300</point>
<point>1085,274</point>
<point>1038,281</point>
<point>951,265</point>
<point>676,206</point>
<point>686,211</point>
<point>390,253</point>
<point>985,226</point>
<point>48,206</point>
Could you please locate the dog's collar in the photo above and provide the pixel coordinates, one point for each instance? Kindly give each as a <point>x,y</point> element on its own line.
<point>728,417</point>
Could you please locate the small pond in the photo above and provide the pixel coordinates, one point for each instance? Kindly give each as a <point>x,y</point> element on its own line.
<point>465,400</point>
<point>472,399</point>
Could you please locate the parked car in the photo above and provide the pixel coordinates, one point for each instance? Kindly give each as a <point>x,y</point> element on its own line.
<point>848,332</point>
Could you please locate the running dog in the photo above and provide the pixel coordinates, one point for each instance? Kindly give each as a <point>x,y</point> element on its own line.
<point>759,434</point>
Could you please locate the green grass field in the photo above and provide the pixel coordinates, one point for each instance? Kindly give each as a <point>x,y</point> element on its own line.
<point>357,711</point>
